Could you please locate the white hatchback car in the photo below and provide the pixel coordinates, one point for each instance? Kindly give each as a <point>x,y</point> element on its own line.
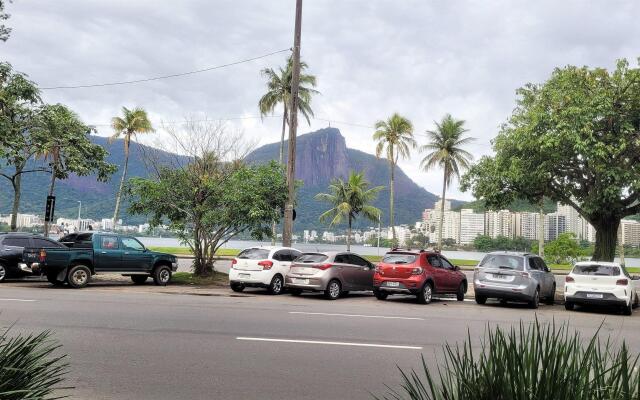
<point>600,283</point>
<point>264,266</point>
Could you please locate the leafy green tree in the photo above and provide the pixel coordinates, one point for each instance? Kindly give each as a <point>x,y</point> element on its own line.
<point>349,199</point>
<point>563,250</point>
<point>279,92</point>
<point>68,148</point>
<point>5,31</point>
<point>483,243</point>
<point>19,140</point>
<point>208,201</point>
<point>445,151</point>
<point>395,140</point>
<point>131,123</point>
<point>574,139</point>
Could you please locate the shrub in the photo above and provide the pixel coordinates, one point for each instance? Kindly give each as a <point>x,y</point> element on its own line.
<point>524,363</point>
<point>28,367</point>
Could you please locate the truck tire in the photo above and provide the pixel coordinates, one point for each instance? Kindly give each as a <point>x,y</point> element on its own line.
<point>162,275</point>
<point>3,272</point>
<point>79,276</point>
<point>139,279</point>
<point>53,279</point>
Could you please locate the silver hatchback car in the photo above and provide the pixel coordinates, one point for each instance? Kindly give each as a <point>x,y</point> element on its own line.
<point>514,276</point>
<point>331,272</point>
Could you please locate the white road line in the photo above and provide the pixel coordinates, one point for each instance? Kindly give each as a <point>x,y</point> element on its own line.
<point>25,300</point>
<point>354,315</point>
<point>386,346</point>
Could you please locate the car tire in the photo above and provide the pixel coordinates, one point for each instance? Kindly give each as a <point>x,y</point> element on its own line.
<point>3,273</point>
<point>569,306</point>
<point>162,275</point>
<point>334,288</point>
<point>139,279</point>
<point>237,287</point>
<point>277,285</point>
<point>79,276</point>
<point>426,294</point>
<point>53,279</point>
<point>535,300</point>
<point>635,301</point>
<point>481,299</point>
<point>551,299</point>
<point>380,295</point>
<point>628,309</point>
<point>462,290</point>
<point>295,292</point>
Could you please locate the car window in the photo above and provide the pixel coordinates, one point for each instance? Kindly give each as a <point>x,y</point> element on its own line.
<point>109,242</point>
<point>343,259</point>
<point>131,244</point>
<point>290,255</point>
<point>16,242</point>
<point>295,254</point>
<point>595,269</point>
<point>434,260</point>
<point>279,256</point>
<point>399,258</point>
<point>308,258</point>
<point>357,260</point>
<point>505,261</point>
<point>533,264</point>
<point>254,253</point>
<point>446,264</point>
<point>45,243</point>
<point>542,265</point>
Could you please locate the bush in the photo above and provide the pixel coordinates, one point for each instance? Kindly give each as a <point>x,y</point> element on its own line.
<point>28,368</point>
<point>526,363</point>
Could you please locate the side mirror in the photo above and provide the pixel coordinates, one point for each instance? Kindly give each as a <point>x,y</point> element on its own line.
<point>456,268</point>
<point>635,277</point>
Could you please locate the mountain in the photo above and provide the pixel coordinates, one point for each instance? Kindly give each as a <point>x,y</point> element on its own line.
<point>323,155</point>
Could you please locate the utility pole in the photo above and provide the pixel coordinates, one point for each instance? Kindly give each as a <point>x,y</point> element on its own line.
<point>287,234</point>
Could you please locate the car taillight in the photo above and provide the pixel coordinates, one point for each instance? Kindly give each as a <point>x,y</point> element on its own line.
<point>323,266</point>
<point>233,262</point>
<point>569,279</point>
<point>622,282</point>
<point>43,255</point>
<point>266,264</point>
<point>416,271</point>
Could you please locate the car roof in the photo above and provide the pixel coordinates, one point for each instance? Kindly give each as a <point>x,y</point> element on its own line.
<point>271,248</point>
<point>603,263</point>
<point>513,253</point>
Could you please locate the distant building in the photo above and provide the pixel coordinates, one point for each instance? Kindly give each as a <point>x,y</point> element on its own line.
<point>23,220</point>
<point>499,223</point>
<point>526,225</point>
<point>554,225</point>
<point>471,226</point>
<point>629,232</point>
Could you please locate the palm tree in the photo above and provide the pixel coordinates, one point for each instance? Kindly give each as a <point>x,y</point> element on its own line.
<point>445,151</point>
<point>349,199</point>
<point>279,90</point>
<point>395,139</point>
<point>129,125</point>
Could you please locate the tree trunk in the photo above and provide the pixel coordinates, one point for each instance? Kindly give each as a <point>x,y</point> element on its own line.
<point>391,213</point>
<point>51,187</point>
<point>541,231</point>
<point>606,238</point>
<point>284,126</point>
<point>349,235</point>
<point>441,223</point>
<point>17,186</point>
<point>124,177</point>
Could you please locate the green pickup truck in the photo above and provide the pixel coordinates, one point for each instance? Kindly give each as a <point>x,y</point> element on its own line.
<point>91,253</point>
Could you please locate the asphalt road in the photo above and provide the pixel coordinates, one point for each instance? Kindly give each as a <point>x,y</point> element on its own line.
<point>124,343</point>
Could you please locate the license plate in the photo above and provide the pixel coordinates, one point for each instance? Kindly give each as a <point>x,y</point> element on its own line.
<point>300,281</point>
<point>393,284</point>
<point>594,296</point>
<point>499,277</point>
<point>244,275</point>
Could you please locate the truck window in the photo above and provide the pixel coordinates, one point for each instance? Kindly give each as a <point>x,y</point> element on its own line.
<point>109,242</point>
<point>131,244</point>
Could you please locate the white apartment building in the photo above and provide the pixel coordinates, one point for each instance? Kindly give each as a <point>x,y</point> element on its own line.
<point>471,226</point>
<point>438,204</point>
<point>328,236</point>
<point>450,224</point>
<point>554,225</point>
<point>23,220</point>
<point>499,223</point>
<point>526,225</point>
<point>629,232</point>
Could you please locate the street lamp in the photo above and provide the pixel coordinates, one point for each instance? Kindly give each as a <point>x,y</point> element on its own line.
<point>79,212</point>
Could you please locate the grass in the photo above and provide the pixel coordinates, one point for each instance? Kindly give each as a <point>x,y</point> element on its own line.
<point>185,251</point>
<point>187,278</point>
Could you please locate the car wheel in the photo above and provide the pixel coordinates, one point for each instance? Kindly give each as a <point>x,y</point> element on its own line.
<point>139,279</point>
<point>295,292</point>
<point>53,279</point>
<point>276,285</point>
<point>3,273</point>
<point>462,289</point>
<point>333,290</point>
<point>568,306</point>
<point>426,294</point>
<point>635,301</point>
<point>551,299</point>
<point>628,309</point>
<point>237,287</point>
<point>162,275</point>
<point>79,276</point>
<point>481,299</point>
<point>535,300</point>
<point>380,295</point>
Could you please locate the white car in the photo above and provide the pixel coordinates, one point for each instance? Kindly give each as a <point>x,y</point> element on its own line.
<point>264,266</point>
<point>600,283</point>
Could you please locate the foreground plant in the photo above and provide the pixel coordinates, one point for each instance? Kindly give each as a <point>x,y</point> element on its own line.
<point>533,361</point>
<point>28,367</point>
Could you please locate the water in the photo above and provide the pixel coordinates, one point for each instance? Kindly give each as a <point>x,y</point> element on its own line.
<point>241,244</point>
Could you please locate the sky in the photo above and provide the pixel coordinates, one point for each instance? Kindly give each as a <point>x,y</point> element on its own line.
<point>372,58</point>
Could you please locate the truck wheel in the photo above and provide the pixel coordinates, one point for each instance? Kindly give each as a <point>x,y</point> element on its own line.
<point>53,279</point>
<point>162,275</point>
<point>3,273</point>
<point>426,294</point>
<point>139,279</point>
<point>276,285</point>
<point>462,289</point>
<point>79,276</point>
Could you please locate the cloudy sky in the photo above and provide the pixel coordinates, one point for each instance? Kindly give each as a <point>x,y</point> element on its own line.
<point>372,58</point>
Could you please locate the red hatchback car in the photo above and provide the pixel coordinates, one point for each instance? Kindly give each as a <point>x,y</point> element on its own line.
<point>418,272</point>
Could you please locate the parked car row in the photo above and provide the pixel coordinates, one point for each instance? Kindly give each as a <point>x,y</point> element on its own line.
<point>505,276</point>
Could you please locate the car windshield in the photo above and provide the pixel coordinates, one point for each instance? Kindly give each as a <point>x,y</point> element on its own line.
<point>503,261</point>
<point>254,254</point>
<point>311,258</point>
<point>595,269</point>
<point>398,258</point>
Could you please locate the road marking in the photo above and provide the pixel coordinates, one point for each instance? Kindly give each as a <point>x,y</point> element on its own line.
<point>25,300</point>
<point>386,346</point>
<point>354,315</point>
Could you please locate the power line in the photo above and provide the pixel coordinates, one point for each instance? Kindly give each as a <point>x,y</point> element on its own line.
<point>165,76</point>
<point>186,121</point>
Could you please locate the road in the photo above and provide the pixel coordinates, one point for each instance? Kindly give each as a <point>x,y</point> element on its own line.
<point>125,343</point>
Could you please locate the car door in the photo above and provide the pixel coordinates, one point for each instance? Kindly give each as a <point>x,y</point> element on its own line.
<point>364,272</point>
<point>11,254</point>
<point>345,271</point>
<point>439,274</point>
<point>538,275</point>
<point>108,255</point>
<point>451,275</point>
<point>134,255</point>
<point>549,278</point>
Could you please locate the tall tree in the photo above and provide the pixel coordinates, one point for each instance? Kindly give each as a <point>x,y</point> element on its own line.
<point>68,148</point>
<point>131,123</point>
<point>349,199</point>
<point>5,31</point>
<point>19,140</point>
<point>395,140</point>
<point>576,139</point>
<point>445,151</point>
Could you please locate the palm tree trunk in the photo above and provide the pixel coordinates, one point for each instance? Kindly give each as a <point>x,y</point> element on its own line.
<point>391,189</point>
<point>541,230</point>
<point>122,180</point>
<point>441,223</point>
<point>349,235</point>
<point>284,126</point>
<point>51,187</point>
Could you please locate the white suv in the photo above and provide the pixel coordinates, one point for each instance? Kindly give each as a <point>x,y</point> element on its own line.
<point>264,266</point>
<point>600,283</point>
